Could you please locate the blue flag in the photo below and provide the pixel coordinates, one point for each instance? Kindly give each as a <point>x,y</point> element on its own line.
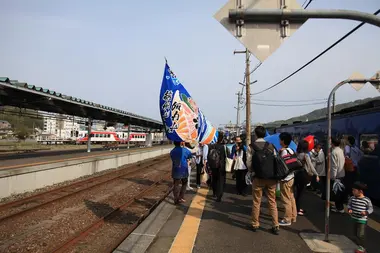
<point>182,118</point>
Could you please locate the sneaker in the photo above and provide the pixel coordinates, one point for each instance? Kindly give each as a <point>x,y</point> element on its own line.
<point>198,186</point>
<point>335,210</point>
<point>190,188</point>
<point>276,230</point>
<point>285,223</point>
<point>360,249</point>
<point>254,229</point>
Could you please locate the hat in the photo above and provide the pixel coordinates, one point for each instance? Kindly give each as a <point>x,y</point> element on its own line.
<point>359,186</point>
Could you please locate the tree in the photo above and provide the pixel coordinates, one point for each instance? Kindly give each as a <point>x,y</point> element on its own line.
<point>22,133</point>
<point>21,118</point>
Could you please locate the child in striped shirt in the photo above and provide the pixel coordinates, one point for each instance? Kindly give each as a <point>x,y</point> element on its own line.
<point>359,206</point>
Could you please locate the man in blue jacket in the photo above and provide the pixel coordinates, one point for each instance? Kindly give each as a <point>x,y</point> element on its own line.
<point>180,159</point>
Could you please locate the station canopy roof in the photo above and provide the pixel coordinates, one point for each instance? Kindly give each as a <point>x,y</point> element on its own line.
<point>24,95</point>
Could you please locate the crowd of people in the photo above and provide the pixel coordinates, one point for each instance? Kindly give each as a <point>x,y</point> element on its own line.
<point>266,168</point>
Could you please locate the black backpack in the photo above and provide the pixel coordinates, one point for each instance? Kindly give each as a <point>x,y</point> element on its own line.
<point>264,162</point>
<point>213,157</point>
<point>292,161</point>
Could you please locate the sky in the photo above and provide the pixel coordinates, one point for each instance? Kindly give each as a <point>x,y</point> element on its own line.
<point>112,53</point>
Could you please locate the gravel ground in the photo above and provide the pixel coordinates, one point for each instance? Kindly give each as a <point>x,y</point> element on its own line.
<point>105,238</point>
<point>67,190</point>
<point>48,226</point>
<point>58,185</point>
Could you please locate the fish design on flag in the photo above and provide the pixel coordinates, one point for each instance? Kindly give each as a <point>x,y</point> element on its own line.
<point>182,118</point>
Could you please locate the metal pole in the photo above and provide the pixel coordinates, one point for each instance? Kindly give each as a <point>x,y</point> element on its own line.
<point>333,103</point>
<point>248,99</point>
<point>299,16</point>
<point>328,174</point>
<point>89,135</point>
<point>73,128</point>
<point>129,135</point>
<point>163,135</point>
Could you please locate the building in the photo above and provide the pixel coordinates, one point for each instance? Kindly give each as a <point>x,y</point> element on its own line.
<point>5,125</point>
<point>5,129</point>
<point>61,126</point>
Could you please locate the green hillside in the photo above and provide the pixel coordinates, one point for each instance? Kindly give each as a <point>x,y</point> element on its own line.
<point>19,119</point>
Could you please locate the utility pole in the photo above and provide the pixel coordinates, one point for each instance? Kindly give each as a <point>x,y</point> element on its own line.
<point>239,94</point>
<point>247,99</point>
<point>248,96</point>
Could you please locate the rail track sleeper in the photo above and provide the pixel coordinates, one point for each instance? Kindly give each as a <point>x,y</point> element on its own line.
<point>139,221</point>
<point>82,234</point>
<point>138,164</point>
<point>58,191</point>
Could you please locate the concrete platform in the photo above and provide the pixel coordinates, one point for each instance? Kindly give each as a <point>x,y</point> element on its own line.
<point>225,227</point>
<point>157,232</point>
<point>143,236</point>
<point>37,175</point>
<point>336,244</point>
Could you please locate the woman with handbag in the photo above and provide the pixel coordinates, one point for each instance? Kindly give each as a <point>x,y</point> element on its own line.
<point>201,162</point>
<point>303,177</point>
<point>240,167</point>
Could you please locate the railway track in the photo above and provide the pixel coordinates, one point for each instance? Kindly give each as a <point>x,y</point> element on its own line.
<point>53,220</point>
<point>48,157</point>
<point>84,240</point>
<point>30,203</point>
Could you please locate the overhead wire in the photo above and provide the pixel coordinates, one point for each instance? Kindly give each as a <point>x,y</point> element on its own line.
<point>304,3</point>
<point>315,58</point>
<point>308,4</point>
<point>293,101</point>
<point>289,105</point>
<point>254,69</point>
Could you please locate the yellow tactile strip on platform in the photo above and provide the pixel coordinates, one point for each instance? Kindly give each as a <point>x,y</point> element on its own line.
<point>185,239</point>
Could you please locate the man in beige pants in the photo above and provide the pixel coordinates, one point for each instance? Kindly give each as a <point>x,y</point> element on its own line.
<point>262,165</point>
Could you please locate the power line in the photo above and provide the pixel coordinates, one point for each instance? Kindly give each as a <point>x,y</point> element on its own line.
<point>315,58</point>
<point>293,101</point>
<point>256,67</point>
<point>304,3</point>
<point>317,103</point>
<point>308,4</point>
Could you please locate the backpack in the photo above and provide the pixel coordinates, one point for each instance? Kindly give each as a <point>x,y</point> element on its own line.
<point>213,157</point>
<point>281,170</point>
<point>348,163</point>
<point>264,162</point>
<point>292,161</point>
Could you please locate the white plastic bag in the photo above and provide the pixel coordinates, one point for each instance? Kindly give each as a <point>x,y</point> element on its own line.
<point>249,178</point>
<point>229,161</point>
